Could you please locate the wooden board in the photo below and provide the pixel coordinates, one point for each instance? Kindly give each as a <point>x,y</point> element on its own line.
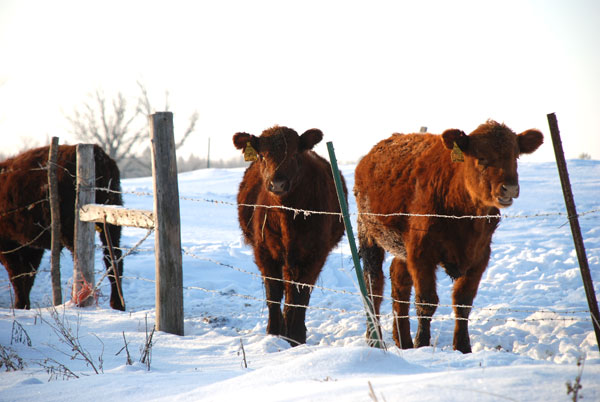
<point>117,215</point>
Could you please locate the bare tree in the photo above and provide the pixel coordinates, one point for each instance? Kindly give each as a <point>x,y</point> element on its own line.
<point>144,108</point>
<point>112,126</point>
<point>122,130</point>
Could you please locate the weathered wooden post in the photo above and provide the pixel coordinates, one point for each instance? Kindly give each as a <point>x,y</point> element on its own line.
<point>55,218</point>
<point>584,267</point>
<point>169,276</point>
<point>83,257</point>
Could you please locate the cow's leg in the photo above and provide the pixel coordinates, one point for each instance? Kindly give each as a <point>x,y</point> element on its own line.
<point>117,299</point>
<point>372,256</point>
<point>422,273</point>
<point>274,293</point>
<point>271,268</point>
<point>294,312</point>
<point>463,294</point>
<point>401,287</point>
<point>297,295</point>
<point>21,265</point>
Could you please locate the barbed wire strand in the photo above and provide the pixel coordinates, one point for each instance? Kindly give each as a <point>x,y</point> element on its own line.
<point>437,317</point>
<point>28,206</point>
<point>114,269</point>
<point>391,315</point>
<point>306,213</point>
<point>44,230</point>
<point>339,291</point>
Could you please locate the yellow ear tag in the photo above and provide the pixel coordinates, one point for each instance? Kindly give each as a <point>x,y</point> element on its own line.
<point>250,153</point>
<point>457,154</point>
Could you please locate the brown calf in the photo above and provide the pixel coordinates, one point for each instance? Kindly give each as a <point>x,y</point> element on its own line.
<point>414,173</point>
<point>288,246</point>
<point>25,213</point>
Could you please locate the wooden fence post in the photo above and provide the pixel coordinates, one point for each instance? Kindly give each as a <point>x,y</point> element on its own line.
<point>584,268</point>
<point>83,257</point>
<point>55,218</point>
<point>169,276</point>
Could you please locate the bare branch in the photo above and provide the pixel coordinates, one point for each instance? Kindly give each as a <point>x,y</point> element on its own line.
<point>10,360</point>
<point>118,127</point>
<point>56,370</point>
<point>143,106</point>
<point>63,330</point>
<point>189,130</point>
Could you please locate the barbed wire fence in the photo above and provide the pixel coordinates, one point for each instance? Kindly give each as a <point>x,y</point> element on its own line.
<point>559,315</point>
<point>563,315</point>
<point>556,315</point>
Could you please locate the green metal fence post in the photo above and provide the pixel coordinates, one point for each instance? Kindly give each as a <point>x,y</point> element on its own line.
<point>373,333</point>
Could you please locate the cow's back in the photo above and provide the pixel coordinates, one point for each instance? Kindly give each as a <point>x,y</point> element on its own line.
<point>395,175</point>
<point>24,206</point>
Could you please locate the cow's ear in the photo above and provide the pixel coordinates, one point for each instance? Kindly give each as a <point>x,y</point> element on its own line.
<point>530,140</point>
<point>453,136</point>
<point>310,138</point>
<point>241,140</point>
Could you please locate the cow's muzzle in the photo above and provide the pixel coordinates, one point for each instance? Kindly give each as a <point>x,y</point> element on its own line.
<point>507,193</point>
<point>279,186</point>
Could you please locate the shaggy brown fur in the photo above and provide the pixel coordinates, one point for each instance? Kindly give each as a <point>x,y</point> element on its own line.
<point>288,246</point>
<point>25,213</point>
<point>414,173</point>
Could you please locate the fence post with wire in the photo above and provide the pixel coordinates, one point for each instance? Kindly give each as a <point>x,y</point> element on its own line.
<point>373,329</point>
<point>55,219</point>
<point>169,275</point>
<point>574,223</point>
<point>83,256</point>
<point>165,220</point>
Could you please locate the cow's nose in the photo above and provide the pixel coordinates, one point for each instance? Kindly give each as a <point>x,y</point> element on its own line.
<point>278,186</point>
<point>510,190</point>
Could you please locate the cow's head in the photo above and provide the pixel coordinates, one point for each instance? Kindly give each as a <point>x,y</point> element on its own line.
<point>278,152</point>
<point>490,160</point>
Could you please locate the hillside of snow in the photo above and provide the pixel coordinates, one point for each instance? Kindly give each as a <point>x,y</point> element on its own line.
<point>529,327</point>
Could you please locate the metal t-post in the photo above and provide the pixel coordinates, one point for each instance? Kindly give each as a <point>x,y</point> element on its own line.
<point>584,268</point>
<point>373,334</point>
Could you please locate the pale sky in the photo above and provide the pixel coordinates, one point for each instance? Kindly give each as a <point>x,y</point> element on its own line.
<point>358,70</point>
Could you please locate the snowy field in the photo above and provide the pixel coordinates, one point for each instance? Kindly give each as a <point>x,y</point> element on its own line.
<point>529,327</point>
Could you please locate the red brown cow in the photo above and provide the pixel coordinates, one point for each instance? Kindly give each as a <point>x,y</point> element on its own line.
<point>287,245</point>
<point>415,174</point>
<point>25,213</point>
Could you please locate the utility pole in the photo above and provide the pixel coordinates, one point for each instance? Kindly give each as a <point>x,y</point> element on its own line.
<point>208,155</point>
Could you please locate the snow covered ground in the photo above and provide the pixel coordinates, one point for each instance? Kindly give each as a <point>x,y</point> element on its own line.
<point>529,327</point>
